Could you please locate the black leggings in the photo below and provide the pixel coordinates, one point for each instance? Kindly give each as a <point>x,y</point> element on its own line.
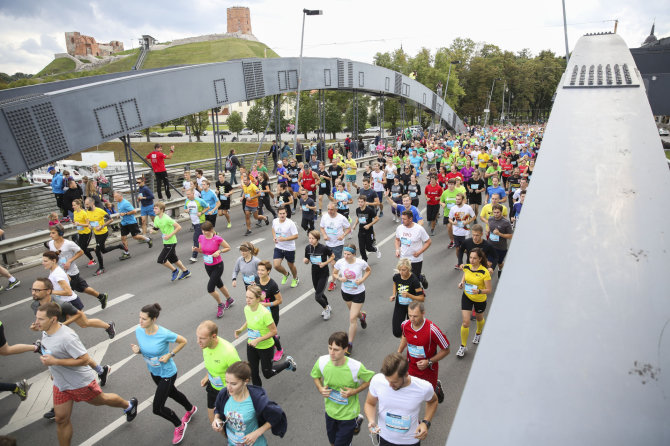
<point>7,387</point>
<point>83,240</point>
<point>165,388</point>
<point>264,356</point>
<point>307,224</point>
<point>319,282</point>
<point>365,240</point>
<point>214,272</point>
<point>162,179</point>
<point>265,202</point>
<point>211,218</point>
<point>399,316</point>
<point>101,249</point>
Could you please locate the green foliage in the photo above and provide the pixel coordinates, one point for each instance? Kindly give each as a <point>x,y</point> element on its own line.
<point>197,123</point>
<point>57,66</point>
<point>256,118</point>
<point>308,118</point>
<point>363,104</point>
<point>84,60</point>
<point>333,118</point>
<point>235,123</point>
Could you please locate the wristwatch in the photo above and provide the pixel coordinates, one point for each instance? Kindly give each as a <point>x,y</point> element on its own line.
<point>430,363</point>
<point>427,423</point>
<point>173,354</point>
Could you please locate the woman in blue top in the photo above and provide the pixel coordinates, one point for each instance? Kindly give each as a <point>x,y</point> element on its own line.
<point>210,198</point>
<point>153,343</point>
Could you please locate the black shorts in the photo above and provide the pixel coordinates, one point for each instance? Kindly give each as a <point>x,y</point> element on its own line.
<point>212,393</point>
<point>475,198</point>
<point>3,340</point>
<point>344,212</point>
<point>501,254</point>
<point>133,229</point>
<point>432,211</point>
<point>284,254</point>
<point>168,254</point>
<point>324,190</point>
<point>340,431</point>
<point>77,283</point>
<point>468,304</point>
<point>355,298</point>
<point>225,205</point>
<point>445,220</point>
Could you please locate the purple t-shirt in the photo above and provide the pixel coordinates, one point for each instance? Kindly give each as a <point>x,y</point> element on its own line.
<point>209,246</point>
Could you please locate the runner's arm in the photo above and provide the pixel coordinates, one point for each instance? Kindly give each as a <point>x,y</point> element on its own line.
<point>403,344</point>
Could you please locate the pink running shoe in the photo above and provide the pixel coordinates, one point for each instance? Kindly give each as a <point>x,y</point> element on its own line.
<point>229,303</point>
<point>179,433</point>
<point>187,416</point>
<point>219,311</point>
<point>278,355</point>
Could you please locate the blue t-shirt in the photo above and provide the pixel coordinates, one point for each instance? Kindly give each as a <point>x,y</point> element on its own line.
<point>148,199</point>
<point>153,347</point>
<point>240,421</point>
<point>281,171</point>
<point>211,200</point>
<point>125,206</point>
<point>57,183</point>
<point>416,161</point>
<point>342,199</point>
<point>416,215</point>
<point>495,190</point>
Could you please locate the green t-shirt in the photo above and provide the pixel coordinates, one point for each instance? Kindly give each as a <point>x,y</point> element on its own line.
<point>335,378</point>
<point>166,226</point>
<point>489,170</point>
<point>421,151</point>
<point>448,198</point>
<point>257,325</point>
<point>439,153</point>
<point>217,361</point>
<point>262,169</point>
<point>397,161</point>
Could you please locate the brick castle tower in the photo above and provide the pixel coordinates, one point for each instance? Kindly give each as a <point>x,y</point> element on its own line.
<point>239,20</point>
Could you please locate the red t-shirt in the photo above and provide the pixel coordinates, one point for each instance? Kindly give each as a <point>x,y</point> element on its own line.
<point>308,182</point>
<point>507,169</point>
<point>451,175</point>
<point>422,344</point>
<point>157,163</point>
<point>433,194</point>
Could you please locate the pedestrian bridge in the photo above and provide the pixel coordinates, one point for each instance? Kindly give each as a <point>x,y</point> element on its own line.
<point>47,122</point>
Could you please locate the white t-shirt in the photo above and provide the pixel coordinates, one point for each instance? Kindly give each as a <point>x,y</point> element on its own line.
<point>57,275</point>
<point>286,229</point>
<point>460,214</point>
<point>67,251</point>
<point>398,410</point>
<point>352,272</point>
<point>411,241</point>
<point>334,228</point>
<point>377,178</point>
<point>391,171</point>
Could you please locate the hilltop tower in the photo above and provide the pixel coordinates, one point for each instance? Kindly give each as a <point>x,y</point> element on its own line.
<point>239,20</point>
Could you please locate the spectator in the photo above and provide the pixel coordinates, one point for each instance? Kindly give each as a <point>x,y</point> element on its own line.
<point>157,158</point>
<point>232,164</point>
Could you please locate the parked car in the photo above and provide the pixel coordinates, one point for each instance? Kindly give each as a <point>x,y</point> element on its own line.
<point>224,132</point>
<point>372,130</point>
<point>175,133</point>
<point>156,135</point>
<point>135,134</point>
<point>246,132</point>
<point>663,132</point>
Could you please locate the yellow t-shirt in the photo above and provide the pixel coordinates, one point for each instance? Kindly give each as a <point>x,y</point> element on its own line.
<point>96,218</point>
<point>251,194</point>
<point>483,160</point>
<point>487,212</point>
<point>351,166</point>
<point>80,219</point>
<point>475,278</point>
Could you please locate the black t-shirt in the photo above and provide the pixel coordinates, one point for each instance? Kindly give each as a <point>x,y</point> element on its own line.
<point>480,185</point>
<point>396,192</point>
<point>405,178</point>
<point>369,194</point>
<point>334,172</point>
<point>468,245</point>
<point>223,188</point>
<point>413,190</point>
<point>365,216</point>
<point>269,294</point>
<point>410,285</point>
<point>293,172</point>
<point>307,214</point>
<point>283,199</point>
<point>514,182</point>
<point>66,309</point>
<point>319,253</point>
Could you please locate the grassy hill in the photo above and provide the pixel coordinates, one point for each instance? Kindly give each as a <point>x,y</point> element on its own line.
<point>57,66</point>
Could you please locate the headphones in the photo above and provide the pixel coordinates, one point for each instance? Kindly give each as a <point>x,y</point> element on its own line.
<point>60,230</point>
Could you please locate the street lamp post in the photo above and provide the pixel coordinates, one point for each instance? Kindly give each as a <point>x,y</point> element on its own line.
<point>305,12</point>
<point>488,103</point>
<point>453,62</point>
<point>502,107</point>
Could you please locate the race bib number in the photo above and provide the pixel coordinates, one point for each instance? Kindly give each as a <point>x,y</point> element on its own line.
<point>323,185</point>
<point>305,208</point>
<point>412,194</point>
<point>397,423</point>
<point>450,205</point>
<point>331,231</point>
<point>404,300</point>
<point>315,260</point>
<point>474,186</point>
<point>152,362</point>
<point>294,180</point>
<point>248,279</point>
<point>470,288</point>
<point>493,237</point>
<point>215,381</point>
<point>337,398</point>
<point>416,351</point>
<point>62,261</point>
<point>208,258</point>
<point>362,220</point>
<point>253,334</point>
<point>459,224</point>
<point>95,224</point>
<point>80,228</point>
<point>405,241</point>
<point>390,176</point>
<point>349,285</point>
<point>223,197</point>
<point>247,196</point>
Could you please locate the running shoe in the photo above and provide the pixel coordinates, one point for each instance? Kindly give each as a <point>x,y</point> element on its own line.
<point>267,221</point>
<point>424,282</point>
<point>248,232</point>
<point>325,314</point>
<point>13,285</point>
<point>432,231</point>
<point>259,223</point>
<point>125,256</point>
<point>22,388</point>
<point>193,259</point>
<point>102,297</point>
<point>363,318</point>
<point>219,310</point>
<point>379,253</point>
<point>65,220</point>
<point>461,351</point>
<point>229,303</point>
<point>50,415</point>
<point>185,275</point>
<point>451,245</point>
<point>331,286</point>
<point>100,272</point>
<point>90,263</point>
<point>457,266</point>
<point>284,279</point>
<point>175,274</point>
<point>350,350</point>
<point>131,412</point>
<point>359,422</point>
<point>381,214</point>
<point>228,226</point>
<point>103,376</point>
<point>476,339</point>
<point>111,330</point>
<point>294,283</point>
<point>278,355</point>
<point>150,243</point>
<point>292,365</point>
<point>189,414</point>
<point>439,392</point>
<point>349,218</point>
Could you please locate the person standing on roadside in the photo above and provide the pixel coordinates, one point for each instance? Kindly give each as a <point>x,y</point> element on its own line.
<point>157,159</point>
<point>58,188</point>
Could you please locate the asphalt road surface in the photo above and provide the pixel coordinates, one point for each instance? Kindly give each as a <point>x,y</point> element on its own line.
<point>140,280</point>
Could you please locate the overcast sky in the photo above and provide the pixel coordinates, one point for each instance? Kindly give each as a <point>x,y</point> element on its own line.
<point>31,31</point>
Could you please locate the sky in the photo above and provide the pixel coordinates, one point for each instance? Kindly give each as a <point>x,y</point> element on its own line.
<point>32,31</point>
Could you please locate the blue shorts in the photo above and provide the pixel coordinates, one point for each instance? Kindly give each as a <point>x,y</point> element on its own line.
<point>284,254</point>
<point>147,210</point>
<point>350,178</point>
<point>340,432</point>
<point>337,250</point>
<point>295,187</point>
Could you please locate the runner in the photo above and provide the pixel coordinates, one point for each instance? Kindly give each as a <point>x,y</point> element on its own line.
<point>433,193</point>
<point>218,355</point>
<point>334,228</point>
<point>153,343</point>
<point>339,380</point>
<point>261,330</point>
<point>98,220</point>
<point>476,284</point>
<point>128,224</point>
<point>413,189</point>
<point>13,281</point>
<point>308,180</point>
<point>212,201</point>
<point>20,388</point>
<point>351,168</point>
<point>394,194</point>
<point>448,200</point>
<point>406,206</point>
<point>84,232</point>
<point>146,198</point>
<point>494,188</point>
<point>411,241</point>
<point>395,399</point>
<point>157,158</point>
<point>406,289</point>
<point>308,211</point>
<point>324,185</point>
<point>224,190</point>
<point>500,230</point>
<point>271,299</point>
<point>247,264</point>
<point>251,195</point>
<point>343,200</point>
<point>293,170</point>
<point>196,209</point>
<point>284,199</point>
<point>168,255</point>
<point>421,337</point>
<point>365,215</point>
<point>461,216</point>
<point>516,209</point>
<point>352,272</point>
<point>487,211</point>
<point>266,194</point>
<point>240,406</point>
<point>319,256</point>
<point>284,234</point>
<point>475,192</point>
<point>211,246</point>
<point>73,381</point>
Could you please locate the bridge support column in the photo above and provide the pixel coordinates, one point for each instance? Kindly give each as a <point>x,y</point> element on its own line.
<point>218,156</point>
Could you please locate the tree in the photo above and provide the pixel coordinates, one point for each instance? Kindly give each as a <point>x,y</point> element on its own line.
<point>308,119</point>
<point>146,133</point>
<point>333,118</point>
<point>256,120</point>
<point>363,105</point>
<point>176,122</point>
<point>198,123</point>
<point>235,123</point>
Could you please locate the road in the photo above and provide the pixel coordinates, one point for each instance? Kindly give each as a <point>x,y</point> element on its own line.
<point>139,281</point>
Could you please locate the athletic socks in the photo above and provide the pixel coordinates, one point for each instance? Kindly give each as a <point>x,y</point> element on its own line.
<point>465,331</point>
<point>99,369</point>
<point>480,325</point>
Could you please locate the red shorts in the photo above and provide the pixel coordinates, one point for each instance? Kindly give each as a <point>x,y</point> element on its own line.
<point>427,374</point>
<point>77,395</point>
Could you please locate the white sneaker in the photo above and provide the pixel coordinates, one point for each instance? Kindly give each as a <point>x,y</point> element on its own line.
<point>326,313</point>
<point>461,351</point>
<point>379,253</point>
<point>193,259</point>
<point>475,340</point>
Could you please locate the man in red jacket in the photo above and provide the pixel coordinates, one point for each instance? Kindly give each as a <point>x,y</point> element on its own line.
<point>157,159</point>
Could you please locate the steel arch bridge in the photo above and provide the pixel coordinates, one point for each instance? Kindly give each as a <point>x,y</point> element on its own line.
<point>46,122</point>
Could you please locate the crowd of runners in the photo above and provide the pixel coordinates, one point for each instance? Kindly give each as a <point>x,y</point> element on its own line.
<point>472,186</point>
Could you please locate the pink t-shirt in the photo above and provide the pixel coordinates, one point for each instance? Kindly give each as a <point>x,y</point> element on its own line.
<point>209,246</point>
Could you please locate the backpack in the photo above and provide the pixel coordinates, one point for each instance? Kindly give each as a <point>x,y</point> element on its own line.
<point>229,163</point>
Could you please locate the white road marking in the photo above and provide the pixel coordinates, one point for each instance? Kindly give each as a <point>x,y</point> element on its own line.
<point>258,240</point>
<point>22,301</point>
<point>110,303</point>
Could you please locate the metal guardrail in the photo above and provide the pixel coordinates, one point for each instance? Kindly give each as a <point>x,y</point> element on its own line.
<point>9,247</point>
